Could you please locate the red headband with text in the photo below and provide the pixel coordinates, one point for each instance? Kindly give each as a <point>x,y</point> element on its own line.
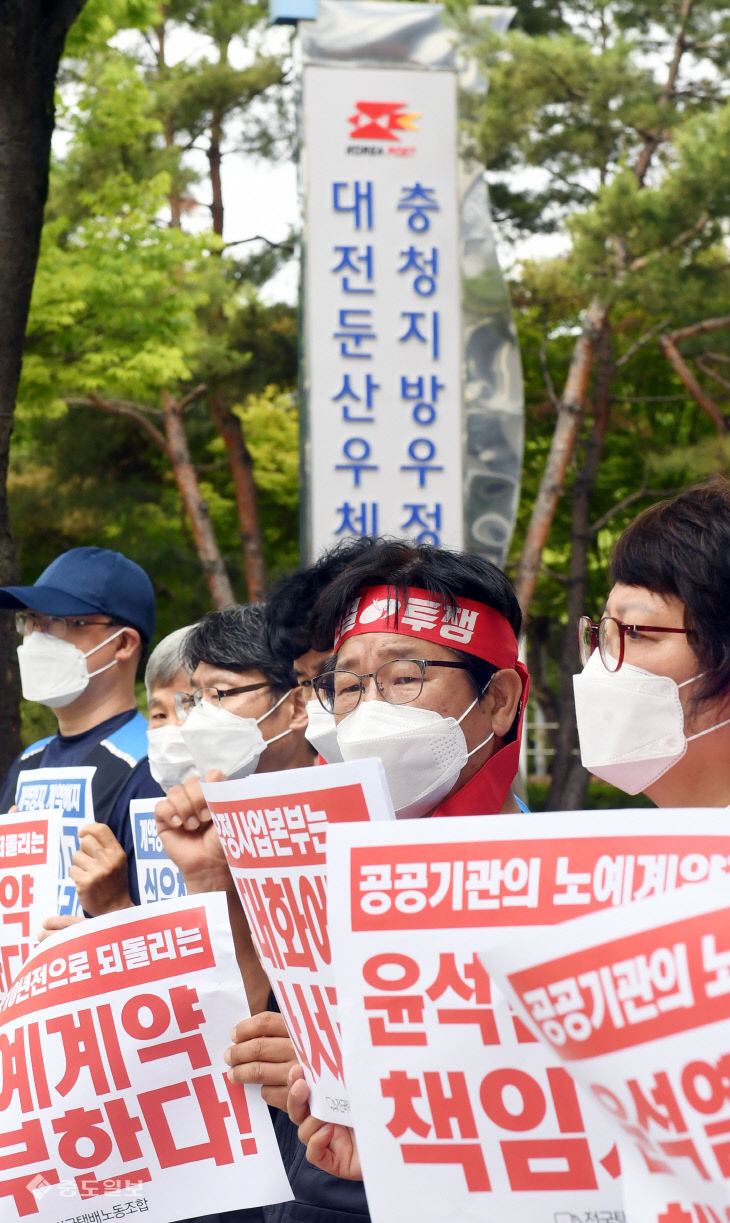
<point>469,626</point>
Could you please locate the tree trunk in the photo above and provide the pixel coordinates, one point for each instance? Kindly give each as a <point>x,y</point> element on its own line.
<point>214,165</point>
<point>214,568</point>
<point>249,528</point>
<point>226,422</point>
<point>569,780</point>
<point>167,125</point>
<point>32,36</point>
<point>567,426</point>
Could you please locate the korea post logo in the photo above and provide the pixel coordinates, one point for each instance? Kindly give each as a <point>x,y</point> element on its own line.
<point>379,128</point>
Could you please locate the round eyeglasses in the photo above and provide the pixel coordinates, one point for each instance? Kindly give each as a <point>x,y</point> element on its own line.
<point>185,701</point>
<point>609,636</point>
<point>399,682</point>
<point>56,626</point>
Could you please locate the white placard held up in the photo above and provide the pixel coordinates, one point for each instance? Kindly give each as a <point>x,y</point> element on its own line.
<point>116,1097</point>
<point>273,828</point>
<point>29,849</point>
<point>158,878</point>
<point>636,1003</point>
<point>455,1104</point>
<point>69,791</point>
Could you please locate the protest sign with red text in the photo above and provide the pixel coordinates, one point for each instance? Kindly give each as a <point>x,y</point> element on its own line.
<point>273,828</point>
<point>636,1002</point>
<point>453,1098</point>
<point>67,790</point>
<point>29,850</point>
<point>113,1094</point>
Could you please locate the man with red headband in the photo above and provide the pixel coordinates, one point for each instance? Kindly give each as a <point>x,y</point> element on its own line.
<point>425,675</point>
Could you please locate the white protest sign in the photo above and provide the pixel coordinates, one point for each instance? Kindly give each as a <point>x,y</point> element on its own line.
<point>67,790</point>
<point>157,876</point>
<point>29,849</point>
<point>636,1002</point>
<point>273,829</point>
<point>453,1099</point>
<point>114,1092</point>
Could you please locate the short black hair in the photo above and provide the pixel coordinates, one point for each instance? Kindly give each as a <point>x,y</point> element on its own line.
<point>289,605</point>
<point>681,547</point>
<point>236,639</point>
<point>399,563</point>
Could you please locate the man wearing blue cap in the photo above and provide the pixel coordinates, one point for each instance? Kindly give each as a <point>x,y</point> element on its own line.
<point>84,625</point>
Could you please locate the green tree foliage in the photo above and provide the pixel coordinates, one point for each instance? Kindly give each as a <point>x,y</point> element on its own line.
<point>607,123</point>
<point>132,302</point>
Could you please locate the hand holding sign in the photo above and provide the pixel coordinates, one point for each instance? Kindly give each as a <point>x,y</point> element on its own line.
<point>262,1053</point>
<point>54,923</point>
<point>330,1147</point>
<point>189,836</point>
<point>99,870</point>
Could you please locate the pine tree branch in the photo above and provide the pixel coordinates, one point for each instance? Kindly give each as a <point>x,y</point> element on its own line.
<point>122,407</point>
<point>685,375</point>
<point>655,139</point>
<point>701,328</point>
<point>644,491</point>
<point>642,340</point>
<point>638,264</point>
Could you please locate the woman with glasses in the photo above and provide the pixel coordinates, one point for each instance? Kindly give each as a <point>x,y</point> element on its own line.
<point>653,699</point>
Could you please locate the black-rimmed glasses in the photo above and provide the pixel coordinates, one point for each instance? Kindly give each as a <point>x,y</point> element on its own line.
<point>56,626</point>
<point>609,636</point>
<point>185,701</point>
<point>399,682</point>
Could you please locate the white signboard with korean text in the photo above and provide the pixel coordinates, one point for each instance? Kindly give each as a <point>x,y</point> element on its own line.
<point>157,876</point>
<point>273,828</point>
<point>69,791</point>
<point>114,1091</point>
<point>453,1098</point>
<point>382,304</point>
<point>29,849</point>
<point>636,1004</point>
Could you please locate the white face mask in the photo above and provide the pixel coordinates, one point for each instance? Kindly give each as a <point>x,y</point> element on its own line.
<point>219,739</point>
<point>169,758</point>
<point>54,671</point>
<point>321,732</point>
<point>630,724</point>
<point>422,752</point>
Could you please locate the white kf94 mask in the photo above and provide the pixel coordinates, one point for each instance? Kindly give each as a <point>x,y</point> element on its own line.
<point>422,752</point>
<point>630,724</point>
<point>219,739</point>
<point>321,732</point>
<point>170,760</point>
<point>53,671</point>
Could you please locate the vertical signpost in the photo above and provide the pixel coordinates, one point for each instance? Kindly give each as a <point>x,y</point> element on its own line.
<point>412,420</point>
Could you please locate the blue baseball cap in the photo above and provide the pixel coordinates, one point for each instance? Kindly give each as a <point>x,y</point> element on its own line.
<point>87,580</point>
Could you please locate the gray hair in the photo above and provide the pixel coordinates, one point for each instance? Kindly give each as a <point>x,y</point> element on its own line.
<point>166,659</point>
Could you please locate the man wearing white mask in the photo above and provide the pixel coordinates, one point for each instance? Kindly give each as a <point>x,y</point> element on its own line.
<point>165,677</point>
<point>426,676</point>
<point>288,610</point>
<point>84,625</point>
<point>167,763</point>
<point>242,714</point>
